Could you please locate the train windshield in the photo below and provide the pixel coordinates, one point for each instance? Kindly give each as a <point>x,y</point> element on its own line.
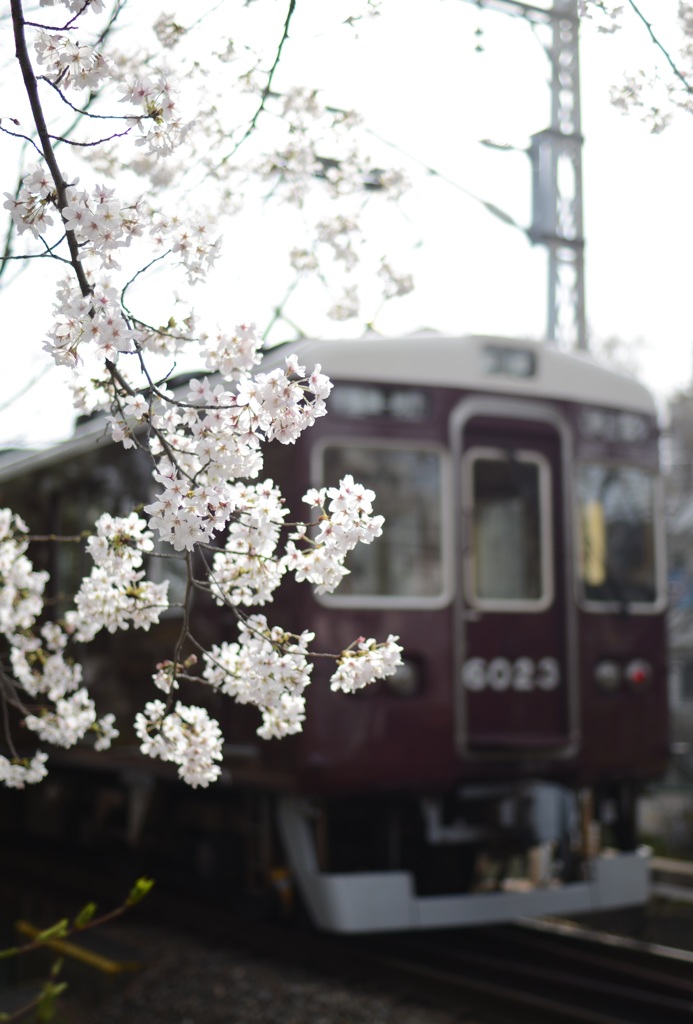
<point>618,549</point>
<point>406,561</point>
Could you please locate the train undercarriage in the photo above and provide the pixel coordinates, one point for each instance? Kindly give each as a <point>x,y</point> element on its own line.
<point>489,853</point>
<point>520,851</point>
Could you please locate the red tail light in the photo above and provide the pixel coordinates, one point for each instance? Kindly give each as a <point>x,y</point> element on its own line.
<point>638,674</point>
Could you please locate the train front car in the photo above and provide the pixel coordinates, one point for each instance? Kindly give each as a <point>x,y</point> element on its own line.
<point>522,565</point>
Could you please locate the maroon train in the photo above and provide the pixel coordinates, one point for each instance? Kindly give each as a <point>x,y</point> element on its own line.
<point>496,774</point>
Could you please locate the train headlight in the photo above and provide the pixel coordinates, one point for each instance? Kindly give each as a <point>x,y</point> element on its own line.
<point>406,681</point>
<point>638,674</point>
<point>607,675</point>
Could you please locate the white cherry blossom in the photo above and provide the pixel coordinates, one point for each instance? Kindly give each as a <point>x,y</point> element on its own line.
<point>187,736</point>
<point>367,662</point>
<point>16,773</point>
<point>205,441</point>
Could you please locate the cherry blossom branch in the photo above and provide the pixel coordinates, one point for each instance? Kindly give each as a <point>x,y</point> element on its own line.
<point>8,688</point>
<point>81,111</point>
<point>23,137</point>
<point>660,46</point>
<point>31,86</point>
<point>62,28</point>
<point>11,230</point>
<point>94,142</point>
<point>266,92</point>
<point>204,446</point>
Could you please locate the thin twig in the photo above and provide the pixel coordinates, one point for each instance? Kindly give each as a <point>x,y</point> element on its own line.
<point>266,92</point>
<point>660,46</point>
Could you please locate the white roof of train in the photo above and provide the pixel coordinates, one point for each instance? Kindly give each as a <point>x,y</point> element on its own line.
<point>461,362</point>
<point>424,358</point>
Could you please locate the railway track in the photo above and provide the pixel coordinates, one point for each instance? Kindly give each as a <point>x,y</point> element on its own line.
<point>549,972</point>
<point>538,972</point>
<point>672,879</point>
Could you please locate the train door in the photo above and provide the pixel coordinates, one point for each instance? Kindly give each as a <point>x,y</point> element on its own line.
<point>515,673</point>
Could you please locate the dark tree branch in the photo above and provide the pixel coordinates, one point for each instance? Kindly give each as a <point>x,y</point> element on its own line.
<point>31,86</point>
<point>83,111</point>
<point>6,256</point>
<point>62,28</point>
<point>96,142</point>
<point>24,138</point>
<point>660,46</point>
<point>118,7</point>
<point>267,91</point>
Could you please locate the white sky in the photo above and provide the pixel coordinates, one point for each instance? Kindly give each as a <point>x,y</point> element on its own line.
<point>422,87</point>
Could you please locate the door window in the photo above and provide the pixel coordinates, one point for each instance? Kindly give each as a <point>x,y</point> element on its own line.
<point>509,548</point>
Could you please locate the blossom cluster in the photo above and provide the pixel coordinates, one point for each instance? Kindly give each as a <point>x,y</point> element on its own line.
<point>96,322</point>
<point>346,307</point>
<point>346,520</point>
<point>170,146</point>
<point>48,674</point>
<point>269,668</point>
<point>186,736</point>
<point>76,6</point>
<point>168,31</point>
<point>367,661</point>
<point>194,241</point>
<point>232,355</point>
<point>347,175</point>
<point>216,438</point>
<point>21,587</point>
<point>339,233</point>
<point>115,594</point>
<point>162,130</point>
<point>202,442</point>
<point>112,597</point>
<point>395,285</point>
<point>31,209</point>
<point>67,723</point>
<point>653,95</point>
<point>38,660</point>
<point>39,663</point>
<point>100,222</point>
<point>247,571</point>
<point>16,773</point>
<point>69,62</point>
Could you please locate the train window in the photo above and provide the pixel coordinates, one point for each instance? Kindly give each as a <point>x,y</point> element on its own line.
<point>611,426</point>
<point>506,502</point>
<point>65,498</point>
<point>617,537</point>
<point>360,401</point>
<point>406,563</point>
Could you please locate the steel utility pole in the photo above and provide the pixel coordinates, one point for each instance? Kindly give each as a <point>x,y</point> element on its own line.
<point>557,172</point>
